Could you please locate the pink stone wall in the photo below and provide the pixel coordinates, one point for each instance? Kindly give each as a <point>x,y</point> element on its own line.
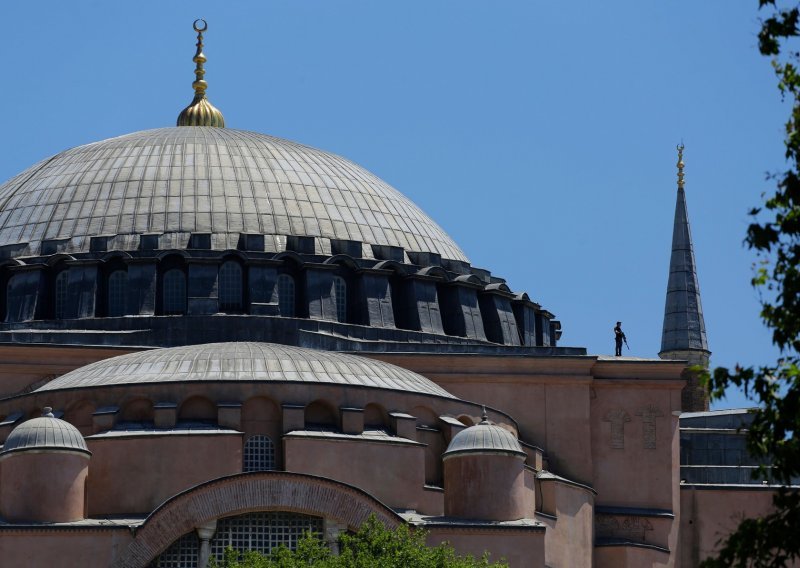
<point>633,452</point>
<point>521,549</point>
<point>631,557</point>
<point>528,389</point>
<point>392,473</point>
<point>66,549</point>
<point>709,514</point>
<point>485,487</point>
<point>570,536</point>
<point>43,486</point>
<point>134,475</point>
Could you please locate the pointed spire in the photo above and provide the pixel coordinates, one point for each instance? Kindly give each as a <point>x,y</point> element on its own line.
<point>684,331</point>
<point>200,112</point>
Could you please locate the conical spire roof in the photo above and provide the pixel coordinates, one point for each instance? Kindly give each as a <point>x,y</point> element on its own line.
<point>684,327</point>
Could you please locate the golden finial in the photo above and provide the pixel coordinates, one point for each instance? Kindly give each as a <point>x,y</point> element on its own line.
<point>200,112</point>
<point>680,165</point>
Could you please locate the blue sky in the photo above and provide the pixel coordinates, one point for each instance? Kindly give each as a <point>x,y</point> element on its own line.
<point>540,135</point>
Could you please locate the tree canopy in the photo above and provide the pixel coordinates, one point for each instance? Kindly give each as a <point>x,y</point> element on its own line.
<point>774,234</point>
<point>373,546</point>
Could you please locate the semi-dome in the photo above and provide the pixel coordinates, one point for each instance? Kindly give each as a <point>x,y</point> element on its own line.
<point>231,361</point>
<point>197,179</point>
<point>484,438</point>
<point>44,433</point>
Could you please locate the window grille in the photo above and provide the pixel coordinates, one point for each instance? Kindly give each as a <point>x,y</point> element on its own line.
<point>184,553</point>
<point>117,293</point>
<point>60,307</point>
<point>286,295</point>
<point>174,292</point>
<point>262,532</point>
<point>340,298</point>
<point>259,454</point>
<point>230,286</point>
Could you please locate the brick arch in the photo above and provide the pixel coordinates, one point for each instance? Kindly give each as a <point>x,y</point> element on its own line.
<point>246,493</point>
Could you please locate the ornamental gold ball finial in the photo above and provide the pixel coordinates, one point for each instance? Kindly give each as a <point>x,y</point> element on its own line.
<point>680,165</point>
<point>200,112</point>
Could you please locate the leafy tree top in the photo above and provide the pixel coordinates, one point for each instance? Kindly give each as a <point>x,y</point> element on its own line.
<point>373,546</point>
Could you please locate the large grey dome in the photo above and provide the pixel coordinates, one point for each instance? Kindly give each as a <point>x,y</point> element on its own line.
<point>44,433</point>
<point>225,182</point>
<point>245,362</point>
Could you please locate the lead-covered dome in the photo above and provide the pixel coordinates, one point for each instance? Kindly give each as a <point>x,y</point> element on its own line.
<point>225,182</point>
<point>484,438</point>
<point>245,361</point>
<point>46,433</point>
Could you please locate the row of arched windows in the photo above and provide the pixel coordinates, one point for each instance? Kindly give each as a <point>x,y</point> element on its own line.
<point>174,292</point>
<point>230,285</point>
<point>400,304</point>
<point>114,293</point>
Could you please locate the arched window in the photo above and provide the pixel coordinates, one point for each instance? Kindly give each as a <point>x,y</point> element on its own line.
<point>259,454</point>
<point>174,292</point>
<point>117,293</point>
<point>184,553</point>
<point>230,287</point>
<point>262,532</point>
<point>340,298</point>
<point>286,295</point>
<point>60,303</point>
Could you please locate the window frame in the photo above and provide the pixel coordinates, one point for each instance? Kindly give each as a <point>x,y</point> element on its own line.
<point>166,293</point>
<point>233,284</point>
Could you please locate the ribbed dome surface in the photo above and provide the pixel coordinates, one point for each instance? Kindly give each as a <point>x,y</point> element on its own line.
<point>484,438</point>
<point>44,433</point>
<point>245,362</point>
<point>208,180</point>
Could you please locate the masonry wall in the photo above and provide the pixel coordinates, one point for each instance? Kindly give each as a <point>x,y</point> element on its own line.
<point>134,475</point>
<point>709,513</point>
<point>520,548</point>
<point>64,548</point>
<point>393,473</point>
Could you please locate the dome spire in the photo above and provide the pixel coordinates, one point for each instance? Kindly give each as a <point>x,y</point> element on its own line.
<point>200,112</point>
<point>680,164</point>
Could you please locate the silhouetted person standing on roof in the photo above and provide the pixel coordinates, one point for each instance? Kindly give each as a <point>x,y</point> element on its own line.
<point>619,337</point>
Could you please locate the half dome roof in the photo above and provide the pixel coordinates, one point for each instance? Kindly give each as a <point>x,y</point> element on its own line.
<point>243,361</point>
<point>209,180</point>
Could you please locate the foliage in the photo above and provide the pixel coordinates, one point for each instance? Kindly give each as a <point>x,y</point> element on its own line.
<point>775,236</point>
<point>373,546</point>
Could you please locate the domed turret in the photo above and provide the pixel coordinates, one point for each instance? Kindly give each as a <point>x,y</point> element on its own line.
<point>483,474</point>
<point>45,433</point>
<point>45,463</point>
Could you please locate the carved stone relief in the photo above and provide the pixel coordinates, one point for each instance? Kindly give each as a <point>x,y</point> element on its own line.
<point>649,415</point>
<point>618,418</point>
<point>624,527</point>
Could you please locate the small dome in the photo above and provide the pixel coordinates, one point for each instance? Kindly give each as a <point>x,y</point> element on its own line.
<point>45,433</point>
<point>484,438</point>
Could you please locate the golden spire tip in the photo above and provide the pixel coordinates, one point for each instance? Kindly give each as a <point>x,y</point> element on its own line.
<point>680,165</point>
<point>200,112</point>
